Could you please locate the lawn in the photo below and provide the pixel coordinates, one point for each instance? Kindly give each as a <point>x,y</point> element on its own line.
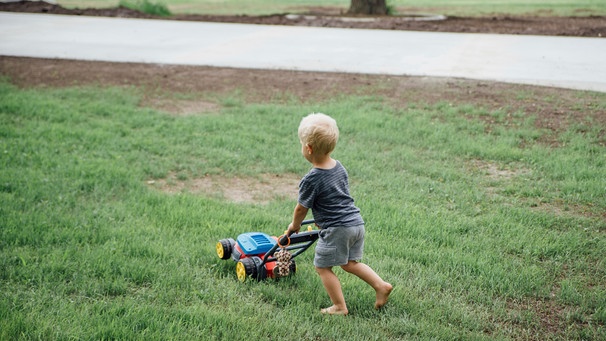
<point>487,219</point>
<point>489,225</point>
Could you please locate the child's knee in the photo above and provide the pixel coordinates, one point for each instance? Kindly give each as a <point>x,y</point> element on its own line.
<point>349,267</point>
<point>323,270</point>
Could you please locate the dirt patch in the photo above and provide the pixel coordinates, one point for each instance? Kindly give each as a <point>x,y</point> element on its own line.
<point>496,172</point>
<point>182,108</point>
<point>581,26</point>
<point>537,317</point>
<point>504,175</point>
<point>258,190</point>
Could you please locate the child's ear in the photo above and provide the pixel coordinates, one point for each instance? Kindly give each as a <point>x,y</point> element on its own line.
<point>310,149</point>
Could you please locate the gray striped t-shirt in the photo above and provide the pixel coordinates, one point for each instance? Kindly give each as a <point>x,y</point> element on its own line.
<point>326,192</point>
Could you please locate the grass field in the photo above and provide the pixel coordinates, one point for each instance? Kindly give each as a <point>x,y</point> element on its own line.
<point>489,227</point>
<point>447,7</point>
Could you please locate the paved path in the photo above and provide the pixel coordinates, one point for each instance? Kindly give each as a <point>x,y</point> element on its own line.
<point>576,63</point>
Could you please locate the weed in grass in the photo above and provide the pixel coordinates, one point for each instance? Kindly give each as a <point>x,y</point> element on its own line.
<point>147,6</point>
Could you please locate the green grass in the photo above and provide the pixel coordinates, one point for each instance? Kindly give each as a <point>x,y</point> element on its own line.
<point>485,233</point>
<point>448,7</point>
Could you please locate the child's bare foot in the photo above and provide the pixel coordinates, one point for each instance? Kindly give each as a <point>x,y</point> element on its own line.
<point>334,311</point>
<point>383,295</point>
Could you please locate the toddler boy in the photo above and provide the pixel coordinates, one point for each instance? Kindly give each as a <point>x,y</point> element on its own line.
<point>325,190</point>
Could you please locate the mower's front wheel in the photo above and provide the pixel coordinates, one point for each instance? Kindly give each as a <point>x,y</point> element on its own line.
<point>225,247</point>
<point>250,267</point>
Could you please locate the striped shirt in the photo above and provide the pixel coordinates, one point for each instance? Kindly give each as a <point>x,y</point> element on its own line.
<point>326,193</point>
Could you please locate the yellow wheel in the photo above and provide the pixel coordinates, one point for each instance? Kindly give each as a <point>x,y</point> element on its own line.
<point>225,247</point>
<point>220,251</point>
<point>241,272</point>
<point>250,267</point>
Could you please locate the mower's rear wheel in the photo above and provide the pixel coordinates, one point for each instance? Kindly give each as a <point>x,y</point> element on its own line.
<point>292,268</point>
<point>225,247</point>
<point>250,267</point>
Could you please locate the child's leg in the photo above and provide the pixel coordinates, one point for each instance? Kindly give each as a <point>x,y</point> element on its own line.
<point>333,288</point>
<point>363,271</point>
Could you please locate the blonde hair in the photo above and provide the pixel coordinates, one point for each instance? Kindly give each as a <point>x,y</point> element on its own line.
<point>320,131</point>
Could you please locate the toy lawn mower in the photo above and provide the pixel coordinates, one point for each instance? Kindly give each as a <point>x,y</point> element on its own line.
<point>260,256</point>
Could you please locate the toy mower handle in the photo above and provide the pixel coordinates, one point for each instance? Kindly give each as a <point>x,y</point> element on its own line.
<point>307,222</point>
<point>284,240</point>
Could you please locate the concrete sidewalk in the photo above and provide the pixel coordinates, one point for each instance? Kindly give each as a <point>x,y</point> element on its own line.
<point>575,63</point>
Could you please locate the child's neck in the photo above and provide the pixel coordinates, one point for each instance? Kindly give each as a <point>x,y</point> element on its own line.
<point>324,162</point>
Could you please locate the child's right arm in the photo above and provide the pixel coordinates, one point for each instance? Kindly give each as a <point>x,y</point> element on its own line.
<point>298,215</point>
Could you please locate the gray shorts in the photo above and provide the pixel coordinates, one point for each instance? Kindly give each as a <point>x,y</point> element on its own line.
<point>339,245</point>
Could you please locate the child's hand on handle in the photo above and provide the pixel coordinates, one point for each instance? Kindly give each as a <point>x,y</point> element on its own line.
<point>292,229</point>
